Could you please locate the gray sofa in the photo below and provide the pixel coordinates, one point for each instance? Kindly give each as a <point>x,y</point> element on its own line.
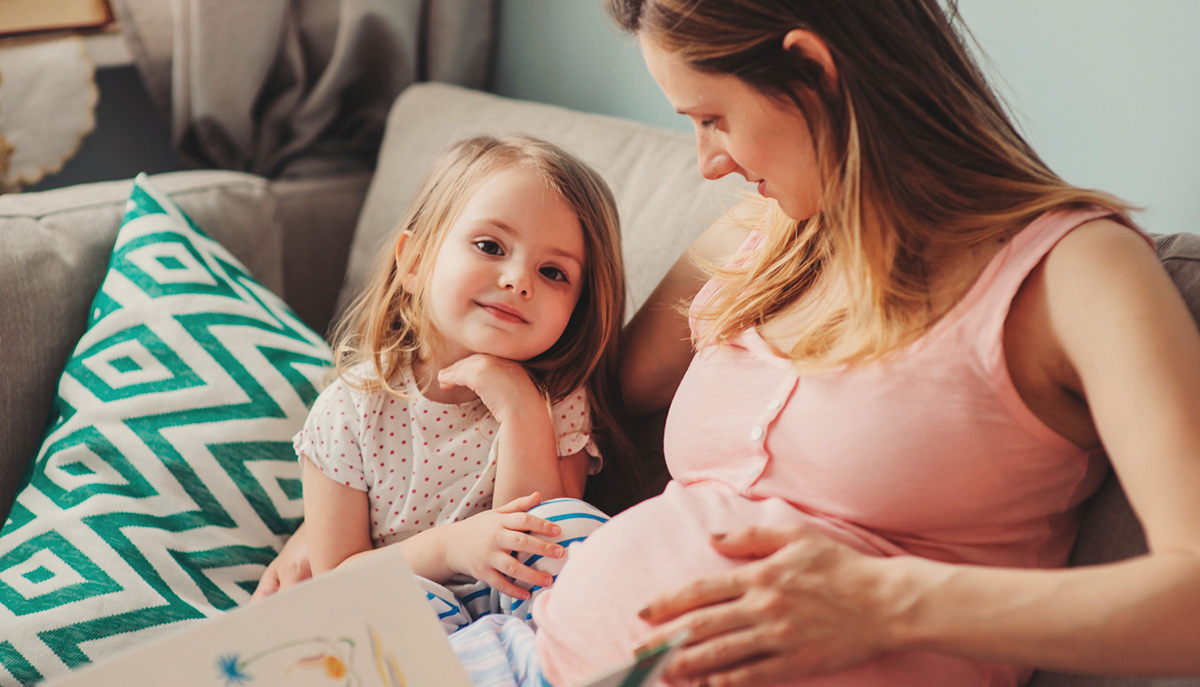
<point>307,240</point>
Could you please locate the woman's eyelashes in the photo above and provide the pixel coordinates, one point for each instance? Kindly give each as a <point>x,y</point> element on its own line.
<point>493,248</point>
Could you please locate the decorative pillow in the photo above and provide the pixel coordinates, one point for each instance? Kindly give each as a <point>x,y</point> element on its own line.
<point>166,480</point>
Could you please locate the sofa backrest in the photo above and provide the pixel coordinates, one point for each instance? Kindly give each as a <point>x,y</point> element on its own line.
<point>663,201</point>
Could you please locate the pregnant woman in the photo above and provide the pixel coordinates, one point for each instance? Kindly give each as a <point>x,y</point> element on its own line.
<point>898,390</point>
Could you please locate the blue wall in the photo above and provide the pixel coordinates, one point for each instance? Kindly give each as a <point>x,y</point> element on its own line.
<point>1107,90</point>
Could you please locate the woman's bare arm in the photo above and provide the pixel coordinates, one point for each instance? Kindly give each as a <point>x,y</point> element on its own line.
<point>657,343</point>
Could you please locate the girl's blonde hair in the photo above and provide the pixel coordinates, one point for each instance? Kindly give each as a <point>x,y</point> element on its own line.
<point>385,325</point>
<point>916,153</point>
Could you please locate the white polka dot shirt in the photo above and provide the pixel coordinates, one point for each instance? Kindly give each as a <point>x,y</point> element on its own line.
<point>422,463</point>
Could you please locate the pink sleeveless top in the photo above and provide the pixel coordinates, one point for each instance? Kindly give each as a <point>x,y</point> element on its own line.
<point>931,453</point>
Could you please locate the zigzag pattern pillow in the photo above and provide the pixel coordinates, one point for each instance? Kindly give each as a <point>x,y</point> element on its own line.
<point>166,481</point>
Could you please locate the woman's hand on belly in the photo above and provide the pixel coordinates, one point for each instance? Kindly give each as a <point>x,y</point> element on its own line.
<point>803,604</point>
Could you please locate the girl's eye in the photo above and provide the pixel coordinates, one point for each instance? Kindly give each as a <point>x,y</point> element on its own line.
<point>489,247</point>
<point>554,274</point>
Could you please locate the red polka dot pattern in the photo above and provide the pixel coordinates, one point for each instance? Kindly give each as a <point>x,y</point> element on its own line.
<point>376,443</point>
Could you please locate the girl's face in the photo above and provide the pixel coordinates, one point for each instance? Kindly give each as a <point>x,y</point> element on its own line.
<point>738,129</point>
<point>509,272</point>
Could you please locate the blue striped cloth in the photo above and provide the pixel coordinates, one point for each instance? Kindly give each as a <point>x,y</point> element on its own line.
<point>498,651</point>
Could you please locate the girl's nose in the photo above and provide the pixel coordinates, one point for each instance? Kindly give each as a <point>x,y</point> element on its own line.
<point>515,279</point>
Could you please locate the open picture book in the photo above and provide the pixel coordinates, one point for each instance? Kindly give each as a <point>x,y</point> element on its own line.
<point>365,624</point>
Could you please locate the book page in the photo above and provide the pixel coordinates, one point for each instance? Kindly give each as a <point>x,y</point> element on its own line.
<point>365,624</point>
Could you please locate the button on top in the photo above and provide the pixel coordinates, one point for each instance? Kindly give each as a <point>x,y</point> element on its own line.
<point>773,404</point>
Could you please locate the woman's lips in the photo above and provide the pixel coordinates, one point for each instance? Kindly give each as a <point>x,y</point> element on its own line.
<point>762,188</point>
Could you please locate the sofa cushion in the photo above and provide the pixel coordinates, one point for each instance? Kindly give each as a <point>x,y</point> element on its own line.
<point>56,246</point>
<point>663,201</point>
<point>166,480</point>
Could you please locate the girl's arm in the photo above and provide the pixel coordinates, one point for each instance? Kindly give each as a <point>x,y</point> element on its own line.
<point>808,604</point>
<point>527,452</point>
<point>336,518</point>
<point>657,343</point>
<point>483,546</point>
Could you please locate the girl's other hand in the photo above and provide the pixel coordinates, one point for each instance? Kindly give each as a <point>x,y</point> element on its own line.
<point>290,567</point>
<point>484,546</point>
<point>503,385</point>
<point>804,605</point>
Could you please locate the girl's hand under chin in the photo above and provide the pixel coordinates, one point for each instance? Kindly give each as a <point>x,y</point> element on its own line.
<point>503,385</point>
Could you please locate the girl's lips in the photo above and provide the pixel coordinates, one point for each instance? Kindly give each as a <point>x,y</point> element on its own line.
<point>502,313</point>
<point>762,188</point>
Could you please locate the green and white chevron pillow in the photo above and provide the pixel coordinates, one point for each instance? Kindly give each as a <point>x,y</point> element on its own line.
<point>166,481</point>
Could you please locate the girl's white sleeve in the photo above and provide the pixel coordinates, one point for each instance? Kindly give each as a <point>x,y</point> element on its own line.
<point>573,429</point>
<point>330,438</point>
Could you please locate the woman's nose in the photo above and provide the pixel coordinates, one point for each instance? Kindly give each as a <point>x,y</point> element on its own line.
<point>714,162</point>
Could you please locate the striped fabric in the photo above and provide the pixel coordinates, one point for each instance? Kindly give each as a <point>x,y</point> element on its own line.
<point>498,651</point>
<point>458,604</point>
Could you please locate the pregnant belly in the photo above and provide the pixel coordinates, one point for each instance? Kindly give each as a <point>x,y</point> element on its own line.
<point>587,622</point>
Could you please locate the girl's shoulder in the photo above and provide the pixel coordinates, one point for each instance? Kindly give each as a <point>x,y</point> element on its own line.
<point>360,383</point>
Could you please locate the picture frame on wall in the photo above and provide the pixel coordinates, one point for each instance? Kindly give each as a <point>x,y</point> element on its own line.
<point>27,17</point>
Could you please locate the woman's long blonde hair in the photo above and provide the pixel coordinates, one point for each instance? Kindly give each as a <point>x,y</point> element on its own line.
<point>386,324</point>
<point>916,152</point>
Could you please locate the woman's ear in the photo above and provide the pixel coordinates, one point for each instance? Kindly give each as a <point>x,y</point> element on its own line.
<point>811,46</point>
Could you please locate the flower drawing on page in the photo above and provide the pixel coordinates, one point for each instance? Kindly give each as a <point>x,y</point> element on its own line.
<point>315,662</point>
<point>332,665</point>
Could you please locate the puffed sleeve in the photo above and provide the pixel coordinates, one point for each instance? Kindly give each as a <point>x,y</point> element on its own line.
<point>330,438</point>
<point>573,429</point>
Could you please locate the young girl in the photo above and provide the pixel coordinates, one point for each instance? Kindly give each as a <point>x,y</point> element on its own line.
<point>469,373</point>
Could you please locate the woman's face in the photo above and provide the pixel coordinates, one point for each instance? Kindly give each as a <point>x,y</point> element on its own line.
<point>740,130</point>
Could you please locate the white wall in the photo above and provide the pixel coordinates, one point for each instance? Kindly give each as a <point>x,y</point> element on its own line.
<point>1107,90</point>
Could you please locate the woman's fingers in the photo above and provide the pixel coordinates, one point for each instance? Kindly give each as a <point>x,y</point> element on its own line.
<point>748,543</point>
<point>770,670</point>
<point>703,592</point>
<point>720,653</point>
<point>756,542</point>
